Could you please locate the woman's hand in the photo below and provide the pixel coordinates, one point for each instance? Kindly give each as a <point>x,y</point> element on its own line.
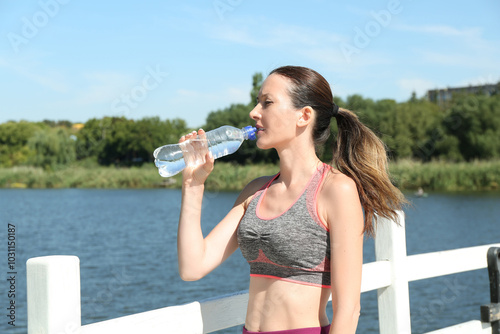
<point>199,160</point>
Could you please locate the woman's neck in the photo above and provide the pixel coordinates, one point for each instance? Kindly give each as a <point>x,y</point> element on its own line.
<point>297,164</point>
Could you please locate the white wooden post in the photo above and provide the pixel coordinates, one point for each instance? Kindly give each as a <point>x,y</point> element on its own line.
<point>53,289</point>
<point>394,300</point>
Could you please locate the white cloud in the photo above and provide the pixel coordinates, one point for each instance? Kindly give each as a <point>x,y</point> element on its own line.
<point>240,36</point>
<point>47,78</point>
<point>103,87</point>
<point>466,46</point>
<point>266,34</point>
<point>455,47</point>
<point>224,96</point>
<point>299,36</point>
<point>238,95</point>
<point>466,60</point>
<point>442,30</point>
<point>448,59</point>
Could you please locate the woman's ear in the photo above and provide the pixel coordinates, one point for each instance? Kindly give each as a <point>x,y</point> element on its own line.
<point>305,117</point>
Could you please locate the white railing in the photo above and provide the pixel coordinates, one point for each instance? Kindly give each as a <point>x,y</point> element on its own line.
<point>54,293</point>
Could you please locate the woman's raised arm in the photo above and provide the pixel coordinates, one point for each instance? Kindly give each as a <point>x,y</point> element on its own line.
<point>199,255</point>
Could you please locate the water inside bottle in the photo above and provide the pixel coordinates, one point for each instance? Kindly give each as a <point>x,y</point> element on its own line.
<point>225,148</point>
<point>169,164</point>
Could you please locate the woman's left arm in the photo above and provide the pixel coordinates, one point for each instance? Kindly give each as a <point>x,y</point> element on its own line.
<point>344,215</point>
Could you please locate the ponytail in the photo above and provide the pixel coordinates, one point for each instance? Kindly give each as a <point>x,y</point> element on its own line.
<point>362,156</point>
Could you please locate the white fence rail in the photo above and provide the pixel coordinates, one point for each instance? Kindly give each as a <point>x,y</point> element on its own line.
<point>54,293</point>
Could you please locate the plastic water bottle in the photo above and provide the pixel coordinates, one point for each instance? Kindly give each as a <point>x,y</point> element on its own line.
<point>222,141</point>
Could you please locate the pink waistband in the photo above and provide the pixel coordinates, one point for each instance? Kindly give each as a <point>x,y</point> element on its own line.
<point>309,330</point>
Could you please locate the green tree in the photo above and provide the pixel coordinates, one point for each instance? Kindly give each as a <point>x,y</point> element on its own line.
<point>120,141</point>
<point>52,147</point>
<point>416,119</point>
<point>14,138</point>
<point>236,115</point>
<point>386,117</point>
<point>257,80</point>
<point>53,124</point>
<point>116,148</point>
<point>474,120</point>
<point>149,133</point>
<point>91,138</point>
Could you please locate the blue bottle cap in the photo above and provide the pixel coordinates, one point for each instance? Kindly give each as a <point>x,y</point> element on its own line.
<point>249,132</point>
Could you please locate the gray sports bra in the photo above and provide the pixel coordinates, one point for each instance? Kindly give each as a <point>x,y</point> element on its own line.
<point>294,246</point>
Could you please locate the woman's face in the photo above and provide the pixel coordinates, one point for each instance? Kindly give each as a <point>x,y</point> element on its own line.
<point>274,113</point>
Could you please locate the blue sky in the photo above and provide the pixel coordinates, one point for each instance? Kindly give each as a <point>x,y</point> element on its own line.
<point>75,60</point>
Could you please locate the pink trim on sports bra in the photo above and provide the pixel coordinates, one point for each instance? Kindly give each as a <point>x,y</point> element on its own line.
<point>292,281</point>
<point>320,182</point>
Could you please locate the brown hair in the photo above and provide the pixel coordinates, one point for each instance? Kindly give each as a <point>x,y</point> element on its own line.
<point>359,153</point>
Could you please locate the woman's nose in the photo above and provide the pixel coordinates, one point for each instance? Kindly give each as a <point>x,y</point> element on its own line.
<point>255,113</point>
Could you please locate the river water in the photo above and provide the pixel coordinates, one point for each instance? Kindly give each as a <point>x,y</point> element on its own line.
<point>126,242</point>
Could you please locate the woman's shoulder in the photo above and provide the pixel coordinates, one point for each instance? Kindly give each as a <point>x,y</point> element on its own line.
<point>339,202</point>
<point>253,187</point>
<point>337,184</point>
<point>256,184</point>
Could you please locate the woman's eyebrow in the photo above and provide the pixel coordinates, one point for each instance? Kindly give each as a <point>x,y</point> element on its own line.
<point>263,95</point>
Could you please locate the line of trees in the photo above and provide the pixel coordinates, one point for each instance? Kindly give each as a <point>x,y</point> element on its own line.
<point>467,128</point>
<point>110,140</point>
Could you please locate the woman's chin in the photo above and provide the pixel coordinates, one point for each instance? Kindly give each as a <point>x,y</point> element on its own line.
<point>262,145</point>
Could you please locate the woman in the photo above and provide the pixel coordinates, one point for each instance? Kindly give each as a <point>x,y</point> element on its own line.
<point>302,229</point>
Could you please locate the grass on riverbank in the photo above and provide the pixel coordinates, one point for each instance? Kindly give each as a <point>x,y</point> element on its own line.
<point>443,176</point>
<point>225,177</point>
<point>408,175</point>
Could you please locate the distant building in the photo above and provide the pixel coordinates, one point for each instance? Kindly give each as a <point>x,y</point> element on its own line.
<point>441,96</point>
